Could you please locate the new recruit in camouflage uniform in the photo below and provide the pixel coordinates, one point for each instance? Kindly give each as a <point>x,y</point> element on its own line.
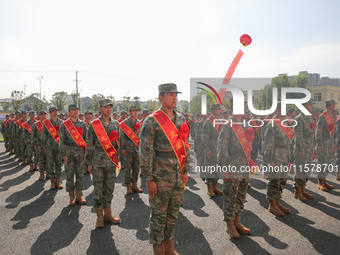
<point>199,146</point>
<point>4,132</point>
<point>337,144</point>
<point>256,144</point>
<point>10,136</point>
<point>159,164</point>
<point>38,143</point>
<point>21,135</point>
<point>27,137</point>
<point>230,152</point>
<point>75,155</point>
<point>131,158</point>
<point>53,153</point>
<point>104,170</point>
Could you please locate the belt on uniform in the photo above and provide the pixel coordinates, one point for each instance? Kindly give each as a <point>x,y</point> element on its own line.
<point>166,154</point>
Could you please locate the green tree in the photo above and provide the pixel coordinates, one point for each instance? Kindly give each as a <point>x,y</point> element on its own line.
<point>74,99</point>
<point>5,105</point>
<point>152,105</point>
<point>34,103</point>
<point>196,103</point>
<point>183,106</point>
<point>95,101</point>
<point>17,99</point>
<point>59,100</point>
<point>126,103</point>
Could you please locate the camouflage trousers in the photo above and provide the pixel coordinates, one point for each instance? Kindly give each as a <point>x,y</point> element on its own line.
<point>31,155</point>
<point>74,167</point>
<point>165,205</point>
<point>301,173</point>
<point>104,179</point>
<point>234,195</point>
<point>10,142</point>
<point>276,183</point>
<point>23,149</point>
<point>17,147</point>
<point>325,156</point>
<point>6,140</point>
<point>131,163</point>
<point>41,156</point>
<point>211,178</point>
<point>53,163</point>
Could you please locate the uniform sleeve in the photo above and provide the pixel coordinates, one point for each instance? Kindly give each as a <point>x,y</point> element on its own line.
<point>298,135</point>
<point>146,149</point>
<point>62,138</point>
<point>44,137</point>
<point>268,153</point>
<point>320,125</point>
<point>205,135</point>
<point>223,141</point>
<point>337,134</point>
<point>90,145</point>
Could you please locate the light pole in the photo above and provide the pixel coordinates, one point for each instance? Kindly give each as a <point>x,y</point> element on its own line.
<point>25,90</point>
<point>40,78</point>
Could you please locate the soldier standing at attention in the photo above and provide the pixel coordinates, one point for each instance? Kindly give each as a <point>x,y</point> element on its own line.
<point>81,116</point>
<point>20,137</point>
<point>38,143</point>
<point>50,139</point>
<point>9,134</point>
<point>3,131</point>
<point>304,146</point>
<point>210,132</point>
<point>234,149</point>
<point>165,158</point>
<point>101,158</point>
<point>72,146</point>
<point>277,140</point>
<point>88,118</point>
<point>27,137</point>
<point>324,133</point>
<point>129,146</point>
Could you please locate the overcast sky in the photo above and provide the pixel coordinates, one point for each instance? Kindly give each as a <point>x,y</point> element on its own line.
<point>129,47</point>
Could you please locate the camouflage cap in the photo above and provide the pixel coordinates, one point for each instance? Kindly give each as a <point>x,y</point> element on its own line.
<point>168,88</point>
<point>88,112</point>
<point>146,111</point>
<point>105,102</point>
<point>23,112</point>
<point>133,107</point>
<point>53,108</point>
<point>12,113</point>
<point>328,102</point>
<point>81,114</point>
<point>42,112</point>
<point>186,114</point>
<point>17,112</point>
<point>309,102</point>
<point>215,106</point>
<point>122,112</point>
<point>72,107</point>
<point>114,113</point>
<point>290,110</point>
<point>32,113</point>
<point>140,113</point>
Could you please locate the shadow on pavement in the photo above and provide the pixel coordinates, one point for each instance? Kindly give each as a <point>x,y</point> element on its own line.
<point>102,242</point>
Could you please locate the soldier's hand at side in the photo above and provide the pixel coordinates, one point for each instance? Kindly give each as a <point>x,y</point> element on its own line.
<point>35,147</point>
<point>26,143</point>
<point>44,151</point>
<point>65,160</point>
<point>124,153</point>
<point>321,148</point>
<point>89,169</point>
<point>272,164</point>
<point>152,188</point>
<point>302,154</point>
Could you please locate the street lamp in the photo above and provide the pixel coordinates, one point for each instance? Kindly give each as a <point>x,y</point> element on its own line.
<point>40,78</point>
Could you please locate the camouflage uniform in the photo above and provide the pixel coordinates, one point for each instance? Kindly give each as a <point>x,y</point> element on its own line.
<point>37,141</point>
<point>53,154</point>
<point>303,142</point>
<point>276,150</point>
<point>16,137</point>
<point>235,185</point>
<point>21,136</point>
<point>323,137</point>
<point>75,155</point>
<point>160,165</point>
<point>4,133</point>
<point>27,137</point>
<point>199,145</point>
<point>104,170</point>
<point>131,159</point>
<point>10,134</point>
<point>256,145</point>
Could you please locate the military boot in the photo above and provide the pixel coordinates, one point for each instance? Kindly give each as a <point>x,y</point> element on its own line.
<point>305,194</point>
<point>129,188</point>
<point>281,207</point>
<point>135,188</point>
<point>100,218</point>
<point>36,166</point>
<point>321,185</point>
<point>79,199</point>
<point>274,209</point>
<point>328,186</point>
<point>210,190</point>
<point>109,217</point>
<point>158,249</point>
<point>298,194</point>
<point>216,190</point>
<point>52,183</point>
<point>58,184</point>
<point>231,230</point>
<point>169,247</point>
<point>23,162</point>
<point>72,198</point>
<point>240,228</point>
<point>41,177</point>
<point>31,168</point>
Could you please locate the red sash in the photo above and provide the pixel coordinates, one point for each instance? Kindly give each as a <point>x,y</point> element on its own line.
<point>127,130</point>
<point>330,122</point>
<point>171,131</point>
<point>289,132</point>
<point>105,141</point>
<point>87,125</point>
<point>53,132</point>
<point>26,126</point>
<point>5,123</point>
<point>15,121</point>
<point>74,133</point>
<point>39,126</point>
<point>119,121</point>
<point>257,129</point>
<point>217,126</point>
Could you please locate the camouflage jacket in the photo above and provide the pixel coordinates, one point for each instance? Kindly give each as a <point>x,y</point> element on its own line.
<point>36,137</point>
<point>153,140</point>
<point>275,138</point>
<point>304,135</point>
<point>321,131</point>
<point>198,133</point>
<point>20,131</point>
<point>209,137</point>
<point>125,142</point>
<point>47,139</point>
<point>95,154</point>
<point>26,136</point>
<point>68,146</point>
<point>337,135</point>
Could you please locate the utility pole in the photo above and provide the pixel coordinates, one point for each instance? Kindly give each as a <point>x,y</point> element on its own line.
<point>40,78</point>
<point>77,93</point>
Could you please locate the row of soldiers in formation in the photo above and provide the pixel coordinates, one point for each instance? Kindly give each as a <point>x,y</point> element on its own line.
<point>158,146</point>
<point>293,145</point>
